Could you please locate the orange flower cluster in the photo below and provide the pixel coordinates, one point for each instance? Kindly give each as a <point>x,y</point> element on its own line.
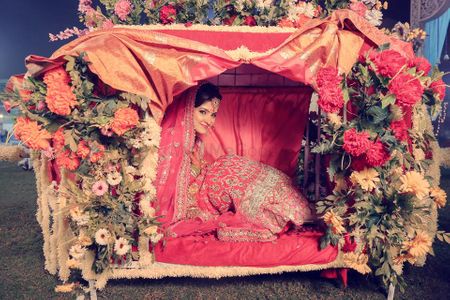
<point>124,119</point>
<point>31,134</point>
<point>83,150</point>
<point>60,99</point>
<point>65,158</point>
<point>97,152</point>
<point>68,160</point>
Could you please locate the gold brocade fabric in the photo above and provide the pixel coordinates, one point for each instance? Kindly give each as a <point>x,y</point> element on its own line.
<point>159,65</point>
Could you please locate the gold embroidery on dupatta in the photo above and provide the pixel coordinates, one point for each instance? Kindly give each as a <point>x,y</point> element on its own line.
<point>245,235</point>
<point>181,201</point>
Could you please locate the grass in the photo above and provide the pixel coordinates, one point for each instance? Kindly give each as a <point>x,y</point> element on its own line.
<point>22,274</point>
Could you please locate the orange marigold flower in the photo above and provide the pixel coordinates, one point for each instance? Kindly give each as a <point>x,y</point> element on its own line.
<point>60,99</point>
<point>58,139</point>
<point>97,153</point>
<point>83,150</point>
<point>25,95</point>
<point>68,160</point>
<point>31,134</point>
<point>124,119</point>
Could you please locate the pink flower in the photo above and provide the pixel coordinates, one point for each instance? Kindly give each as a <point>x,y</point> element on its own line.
<point>388,62</point>
<point>356,143</point>
<point>438,88</point>
<point>359,8</point>
<point>100,188</point>
<point>84,6</point>
<point>377,154</point>
<point>108,24</point>
<point>407,89</point>
<point>7,105</point>
<point>422,64</point>
<point>400,130</point>
<point>328,76</point>
<point>106,130</point>
<point>41,105</point>
<point>122,9</point>
<point>167,14</point>
<point>49,153</point>
<point>331,99</point>
<point>249,21</point>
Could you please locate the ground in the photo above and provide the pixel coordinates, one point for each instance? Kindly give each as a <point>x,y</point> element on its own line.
<point>22,274</point>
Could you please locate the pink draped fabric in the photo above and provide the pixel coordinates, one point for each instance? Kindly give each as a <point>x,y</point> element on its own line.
<point>297,248</point>
<point>177,142</point>
<point>263,124</point>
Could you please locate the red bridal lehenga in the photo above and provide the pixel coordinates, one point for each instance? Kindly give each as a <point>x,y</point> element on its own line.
<point>234,197</point>
<point>236,211</point>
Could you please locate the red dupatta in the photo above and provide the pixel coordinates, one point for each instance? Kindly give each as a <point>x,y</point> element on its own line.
<point>177,141</point>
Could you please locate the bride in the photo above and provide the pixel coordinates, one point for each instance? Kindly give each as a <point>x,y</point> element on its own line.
<point>235,198</point>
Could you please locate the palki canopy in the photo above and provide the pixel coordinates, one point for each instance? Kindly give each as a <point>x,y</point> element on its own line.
<point>160,62</point>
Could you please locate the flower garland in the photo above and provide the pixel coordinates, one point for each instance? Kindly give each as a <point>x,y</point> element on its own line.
<point>105,145</point>
<point>281,13</point>
<point>382,202</point>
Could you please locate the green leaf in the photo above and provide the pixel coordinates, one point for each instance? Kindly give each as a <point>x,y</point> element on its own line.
<point>346,95</point>
<point>376,114</point>
<point>387,100</point>
<point>70,65</point>
<point>324,241</point>
<point>384,47</point>
<point>70,140</point>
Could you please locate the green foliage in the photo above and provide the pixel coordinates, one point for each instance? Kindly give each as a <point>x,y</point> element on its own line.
<point>385,216</point>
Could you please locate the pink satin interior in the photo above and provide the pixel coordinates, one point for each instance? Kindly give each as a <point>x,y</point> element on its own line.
<point>289,249</point>
<point>263,124</point>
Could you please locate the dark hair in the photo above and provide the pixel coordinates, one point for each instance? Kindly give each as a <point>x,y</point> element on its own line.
<point>205,93</point>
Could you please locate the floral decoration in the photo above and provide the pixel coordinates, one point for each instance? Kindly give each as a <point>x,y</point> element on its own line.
<point>377,162</point>
<point>108,196</point>
<point>283,13</point>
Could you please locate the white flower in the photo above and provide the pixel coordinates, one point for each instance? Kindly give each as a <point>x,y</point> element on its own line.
<point>121,246</point>
<point>114,178</point>
<point>84,239</point>
<point>102,236</point>
<point>78,216</point>
<point>310,10</point>
<point>240,4</point>
<point>294,12</point>
<point>77,251</point>
<point>151,230</point>
<point>371,2</point>
<point>263,4</point>
<point>146,209</point>
<point>156,238</point>
<point>151,136</point>
<point>130,170</point>
<point>374,17</point>
<point>418,153</point>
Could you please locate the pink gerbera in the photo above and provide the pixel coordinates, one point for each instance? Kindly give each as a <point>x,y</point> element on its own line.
<point>100,187</point>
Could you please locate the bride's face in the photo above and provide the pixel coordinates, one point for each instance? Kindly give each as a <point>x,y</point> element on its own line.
<point>205,116</point>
